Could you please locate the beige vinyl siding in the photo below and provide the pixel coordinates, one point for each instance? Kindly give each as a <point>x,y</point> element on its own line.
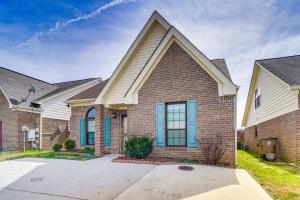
<point>135,64</point>
<point>56,107</point>
<point>276,98</point>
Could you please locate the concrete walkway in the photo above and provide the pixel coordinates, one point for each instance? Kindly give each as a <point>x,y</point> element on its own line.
<point>33,178</point>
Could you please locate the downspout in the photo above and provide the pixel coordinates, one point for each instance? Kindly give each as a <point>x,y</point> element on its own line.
<point>235,125</point>
<point>41,128</point>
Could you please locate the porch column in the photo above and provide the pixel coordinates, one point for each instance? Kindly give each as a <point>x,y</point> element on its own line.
<point>99,130</point>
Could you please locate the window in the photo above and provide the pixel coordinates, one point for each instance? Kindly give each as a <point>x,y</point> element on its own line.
<point>176,124</point>
<point>257,98</point>
<point>90,126</point>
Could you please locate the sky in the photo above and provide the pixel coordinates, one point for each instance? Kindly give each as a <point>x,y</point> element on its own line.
<point>62,40</point>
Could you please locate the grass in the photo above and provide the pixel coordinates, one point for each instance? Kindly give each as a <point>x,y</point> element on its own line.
<point>281,180</point>
<point>66,156</point>
<point>29,153</point>
<point>46,154</point>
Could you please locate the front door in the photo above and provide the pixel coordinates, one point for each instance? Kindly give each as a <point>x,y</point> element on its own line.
<point>123,132</point>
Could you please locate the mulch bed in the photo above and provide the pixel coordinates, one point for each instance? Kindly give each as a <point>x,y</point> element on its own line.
<point>150,160</point>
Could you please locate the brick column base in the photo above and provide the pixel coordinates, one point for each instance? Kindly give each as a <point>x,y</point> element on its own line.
<point>99,130</point>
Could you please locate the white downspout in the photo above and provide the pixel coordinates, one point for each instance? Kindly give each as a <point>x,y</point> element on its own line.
<point>41,133</point>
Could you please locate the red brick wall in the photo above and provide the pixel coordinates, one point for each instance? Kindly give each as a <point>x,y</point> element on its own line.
<point>80,112</point>
<point>9,126</point>
<point>77,113</point>
<point>12,122</point>
<point>286,128</point>
<point>177,77</point>
<point>54,131</point>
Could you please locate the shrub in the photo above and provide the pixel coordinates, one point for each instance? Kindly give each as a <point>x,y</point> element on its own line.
<point>88,150</point>
<point>70,144</point>
<point>213,148</point>
<point>57,147</point>
<point>138,146</point>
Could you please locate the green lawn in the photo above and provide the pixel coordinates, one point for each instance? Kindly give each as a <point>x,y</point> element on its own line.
<point>29,153</point>
<point>45,154</point>
<point>280,180</point>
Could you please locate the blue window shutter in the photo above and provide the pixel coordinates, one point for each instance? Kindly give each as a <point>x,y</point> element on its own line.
<point>160,124</point>
<point>82,132</point>
<point>107,132</point>
<point>192,123</point>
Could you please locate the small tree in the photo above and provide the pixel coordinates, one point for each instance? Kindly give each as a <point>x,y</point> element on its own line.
<point>213,149</point>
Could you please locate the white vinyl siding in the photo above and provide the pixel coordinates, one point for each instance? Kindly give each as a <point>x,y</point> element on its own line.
<point>135,64</point>
<point>276,98</point>
<point>56,107</point>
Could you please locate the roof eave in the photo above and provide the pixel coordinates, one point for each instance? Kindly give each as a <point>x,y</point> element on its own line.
<point>42,100</point>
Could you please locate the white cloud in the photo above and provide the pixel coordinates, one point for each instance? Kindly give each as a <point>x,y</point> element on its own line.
<point>59,25</point>
<point>239,31</point>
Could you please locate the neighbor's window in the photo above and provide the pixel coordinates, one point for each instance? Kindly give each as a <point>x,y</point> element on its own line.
<point>90,126</point>
<point>176,124</point>
<point>257,98</point>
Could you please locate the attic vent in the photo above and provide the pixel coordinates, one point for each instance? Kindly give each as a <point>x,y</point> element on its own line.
<point>34,105</point>
<point>226,98</point>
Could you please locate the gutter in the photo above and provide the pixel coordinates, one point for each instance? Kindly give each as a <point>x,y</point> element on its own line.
<point>32,110</point>
<point>295,87</point>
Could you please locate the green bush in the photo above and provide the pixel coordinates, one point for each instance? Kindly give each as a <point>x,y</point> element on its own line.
<point>138,146</point>
<point>70,144</point>
<point>88,150</point>
<point>57,147</point>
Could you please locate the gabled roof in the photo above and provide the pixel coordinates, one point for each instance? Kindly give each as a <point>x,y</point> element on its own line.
<point>285,68</point>
<point>64,86</point>
<point>15,86</point>
<point>221,64</point>
<point>217,68</point>
<point>90,93</point>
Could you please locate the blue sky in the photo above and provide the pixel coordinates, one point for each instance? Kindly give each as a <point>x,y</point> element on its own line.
<point>60,40</point>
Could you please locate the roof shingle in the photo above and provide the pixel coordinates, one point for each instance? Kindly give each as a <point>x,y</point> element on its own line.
<point>221,65</point>
<point>285,68</point>
<point>90,93</point>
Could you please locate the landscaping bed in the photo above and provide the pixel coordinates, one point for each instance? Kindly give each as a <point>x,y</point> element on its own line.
<point>155,161</point>
<point>281,180</point>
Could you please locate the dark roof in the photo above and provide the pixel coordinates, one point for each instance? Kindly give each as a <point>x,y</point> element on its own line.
<point>16,85</point>
<point>221,65</point>
<point>90,93</point>
<point>63,86</point>
<point>285,68</point>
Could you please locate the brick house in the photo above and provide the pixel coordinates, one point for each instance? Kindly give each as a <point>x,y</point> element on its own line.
<point>272,108</point>
<point>33,113</point>
<point>165,88</point>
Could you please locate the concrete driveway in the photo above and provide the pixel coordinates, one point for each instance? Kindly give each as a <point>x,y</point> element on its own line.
<point>32,178</point>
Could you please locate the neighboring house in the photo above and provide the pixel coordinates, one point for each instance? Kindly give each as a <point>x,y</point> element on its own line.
<point>33,112</point>
<point>165,88</point>
<point>240,138</point>
<point>272,108</point>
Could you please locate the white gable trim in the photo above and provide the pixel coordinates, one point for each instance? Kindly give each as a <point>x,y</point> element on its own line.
<point>43,100</point>
<point>154,17</point>
<point>225,86</point>
<point>255,73</point>
<point>9,103</point>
